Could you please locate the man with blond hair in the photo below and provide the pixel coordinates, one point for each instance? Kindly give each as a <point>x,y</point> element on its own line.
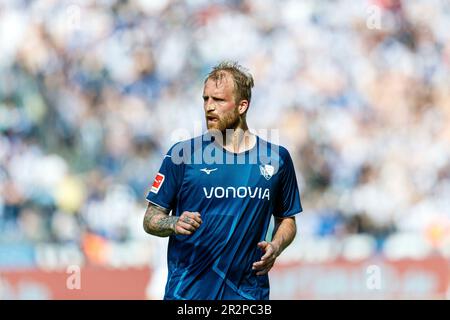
<point>214,196</point>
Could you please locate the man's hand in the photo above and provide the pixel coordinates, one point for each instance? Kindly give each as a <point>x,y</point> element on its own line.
<point>187,223</point>
<point>158,222</point>
<point>271,252</point>
<point>283,233</point>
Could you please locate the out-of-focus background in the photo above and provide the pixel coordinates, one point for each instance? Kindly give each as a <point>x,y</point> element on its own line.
<point>92,93</point>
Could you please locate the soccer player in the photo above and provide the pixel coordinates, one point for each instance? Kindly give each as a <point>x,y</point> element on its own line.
<point>222,189</point>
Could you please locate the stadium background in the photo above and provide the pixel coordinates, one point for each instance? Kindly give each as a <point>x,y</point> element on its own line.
<point>91,93</point>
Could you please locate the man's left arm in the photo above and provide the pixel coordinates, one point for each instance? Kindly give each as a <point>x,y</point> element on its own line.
<point>284,233</point>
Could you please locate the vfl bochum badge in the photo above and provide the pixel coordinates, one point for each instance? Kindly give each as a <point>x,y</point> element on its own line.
<point>266,171</point>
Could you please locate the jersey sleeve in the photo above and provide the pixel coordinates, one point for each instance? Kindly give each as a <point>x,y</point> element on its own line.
<point>288,201</point>
<point>167,183</point>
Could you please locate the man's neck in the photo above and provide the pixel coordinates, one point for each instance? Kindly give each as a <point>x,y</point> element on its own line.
<point>238,140</point>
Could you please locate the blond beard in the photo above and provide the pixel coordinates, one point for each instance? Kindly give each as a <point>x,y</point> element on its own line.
<point>229,121</point>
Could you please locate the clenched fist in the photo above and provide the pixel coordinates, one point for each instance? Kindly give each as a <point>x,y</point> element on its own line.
<point>187,223</point>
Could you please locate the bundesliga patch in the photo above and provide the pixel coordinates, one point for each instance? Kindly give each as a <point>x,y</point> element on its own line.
<point>157,183</point>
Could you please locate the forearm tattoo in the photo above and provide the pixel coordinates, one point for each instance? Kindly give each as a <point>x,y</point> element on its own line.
<point>157,222</point>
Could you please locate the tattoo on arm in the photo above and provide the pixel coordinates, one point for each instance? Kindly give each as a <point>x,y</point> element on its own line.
<point>158,222</point>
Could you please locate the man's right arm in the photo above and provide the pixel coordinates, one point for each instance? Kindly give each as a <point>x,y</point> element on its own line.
<point>158,222</point>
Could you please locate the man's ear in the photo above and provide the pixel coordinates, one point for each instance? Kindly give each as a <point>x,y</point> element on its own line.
<point>243,107</point>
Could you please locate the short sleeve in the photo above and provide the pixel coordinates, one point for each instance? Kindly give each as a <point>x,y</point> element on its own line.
<point>288,200</point>
<point>167,183</point>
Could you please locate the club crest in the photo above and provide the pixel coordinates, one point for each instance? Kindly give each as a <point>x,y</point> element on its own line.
<point>267,171</point>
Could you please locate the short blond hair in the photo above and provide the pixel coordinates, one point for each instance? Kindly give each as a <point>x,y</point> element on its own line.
<point>242,79</point>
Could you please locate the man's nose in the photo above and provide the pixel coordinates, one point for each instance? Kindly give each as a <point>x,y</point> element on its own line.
<point>209,105</point>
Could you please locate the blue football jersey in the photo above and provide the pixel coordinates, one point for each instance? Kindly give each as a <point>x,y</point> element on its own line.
<point>236,195</point>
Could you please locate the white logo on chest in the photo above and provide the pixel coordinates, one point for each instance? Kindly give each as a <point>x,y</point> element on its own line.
<point>241,192</point>
<point>208,171</point>
<point>266,171</point>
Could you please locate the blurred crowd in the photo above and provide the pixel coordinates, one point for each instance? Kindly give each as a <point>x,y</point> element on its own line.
<point>92,93</point>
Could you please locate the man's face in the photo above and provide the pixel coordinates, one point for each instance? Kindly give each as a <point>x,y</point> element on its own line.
<point>220,109</point>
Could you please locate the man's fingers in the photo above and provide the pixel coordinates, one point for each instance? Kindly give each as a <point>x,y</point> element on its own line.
<point>195,224</point>
<point>190,221</point>
<point>180,230</point>
<point>262,244</point>
<point>265,270</point>
<point>268,259</point>
<point>269,252</point>
<point>186,226</point>
<point>262,264</point>
<point>197,217</point>
<point>193,215</point>
<point>259,265</point>
<point>267,248</point>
